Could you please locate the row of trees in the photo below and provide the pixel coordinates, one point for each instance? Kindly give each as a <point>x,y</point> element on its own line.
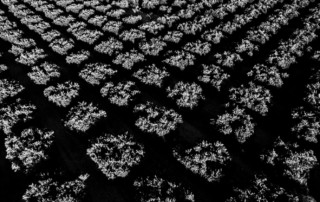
<point>252,12</point>
<point>256,36</point>
<point>275,69</point>
<point>288,51</point>
<point>198,24</point>
<point>262,33</point>
<point>306,118</point>
<point>60,44</point>
<point>27,52</point>
<point>216,34</point>
<point>57,42</point>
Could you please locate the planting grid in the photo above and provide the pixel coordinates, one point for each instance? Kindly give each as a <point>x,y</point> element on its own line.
<point>205,100</point>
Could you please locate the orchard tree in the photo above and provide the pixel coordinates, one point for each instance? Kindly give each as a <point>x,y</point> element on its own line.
<point>180,59</point>
<point>228,59</point>
<point>115,155</point>
<point>313,94</point>
<point>198,47</point>
<point>179,3</point>
<point>110,47</point>
<point>48,189</point>
<point>86,13</point>
<point>128,59</point>
<point>173,36</point>
<point>63,20</point>
<point>82,116</point>
<point>11,114</point>
<point>132,35</point>
<point>132,19</point>
<point>307,124</point>
<point>316,55</point>
<point>98,20</point>
<point>78,57</point>
<point>64,3</point>
<point>156,119</point>
<point>186,13</point>
<point>121,3</point>
<point>152,47</point>
<point>186,94</point>
<point>190,27</point>
<point>247,47</point>
<point>74,7</point>
<point>168,20</point>
<point>9,88</point>
<point>43,73</point>
<point>150,4</point>
<point>63,93</point>
<point>267,75</point>
<point>213,75</point>
<point>49,36</point>
<point>116,13</point>
<point>95,73</point>
<point>3,68</point>
<point>82,33</point>
<point>262,190</point>
<point>157,189</point>
<point>62,45</point>
<point>299,165</point>
<point>236,122</point>
<point>31,57</point>
<point>205,159</point>
<point>113,26</point>
<point>151,75</point>
<point>152,27</point>
<point>295,162</point>
<point>282,59</point>
<point>213,35</point>
<point>254,97</point>
<point>29,149</point>
<point>120,93</point>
